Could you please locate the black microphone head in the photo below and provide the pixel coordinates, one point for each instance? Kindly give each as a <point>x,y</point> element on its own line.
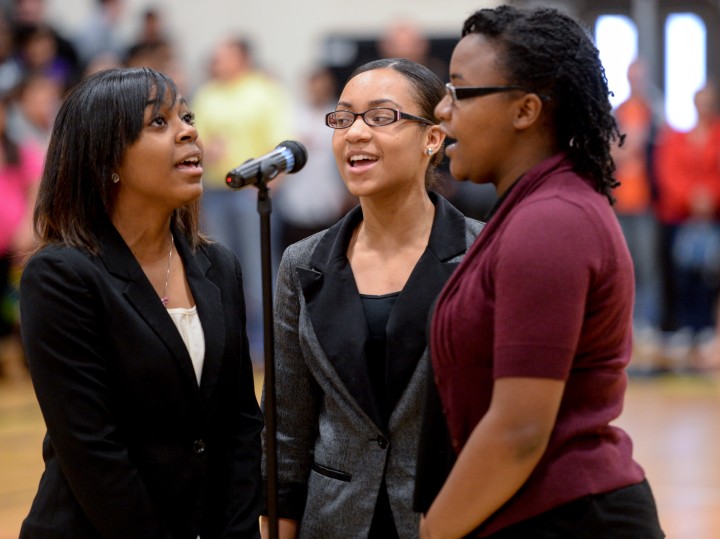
<point>299,154</point>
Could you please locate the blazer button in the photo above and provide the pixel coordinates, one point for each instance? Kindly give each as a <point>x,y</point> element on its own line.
<point>382,441</point>
<point>199,447</point>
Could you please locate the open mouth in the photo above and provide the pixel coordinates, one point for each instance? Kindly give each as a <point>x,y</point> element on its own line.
<point>361,159</point>
<point>191,162</point>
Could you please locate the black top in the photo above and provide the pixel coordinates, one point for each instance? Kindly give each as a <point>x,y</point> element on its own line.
<point>377,312</point>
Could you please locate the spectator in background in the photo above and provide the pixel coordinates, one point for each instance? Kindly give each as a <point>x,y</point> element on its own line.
<point>10,68</point>
<point>242,113</point>
<point>314,198</point>
<point>32,110</point>
<point>152,29</point>
<point>404,39</point>
<point>159,56</point>
<point>26,16</point>
<point>100,34</point>
<point>688,170</point>
<point>151,40</point>
<point>102,62</point>
<point>707,356</point>
<point>639,119</point>
<point>153,48</point>
<point>20,169</point>
<point>38,54</point>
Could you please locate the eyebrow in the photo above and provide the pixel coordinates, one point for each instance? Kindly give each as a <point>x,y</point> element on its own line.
<point>373,103</point>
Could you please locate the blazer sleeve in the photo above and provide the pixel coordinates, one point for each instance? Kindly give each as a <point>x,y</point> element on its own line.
<point>63,339</point>
<point>297,394</point>
<point>245,496</point>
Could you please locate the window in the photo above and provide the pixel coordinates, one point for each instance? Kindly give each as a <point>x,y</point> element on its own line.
<point>616,38</point>
<point>685,61</point>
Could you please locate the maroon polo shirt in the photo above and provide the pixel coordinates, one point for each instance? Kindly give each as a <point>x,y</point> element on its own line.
<point>546,291</point>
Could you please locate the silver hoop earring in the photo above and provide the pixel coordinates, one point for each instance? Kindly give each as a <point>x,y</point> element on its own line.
<point>114,177</point>
<point>429,151</point>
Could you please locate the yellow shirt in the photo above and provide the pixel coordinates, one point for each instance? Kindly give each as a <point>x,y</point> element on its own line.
<point>240,120</point>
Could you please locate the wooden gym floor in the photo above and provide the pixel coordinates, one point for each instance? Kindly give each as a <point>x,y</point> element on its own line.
<point>673,419</point>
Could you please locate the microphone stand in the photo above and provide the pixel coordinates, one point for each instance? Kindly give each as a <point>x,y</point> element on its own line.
<point>267,170</point>
<point>264,208</point>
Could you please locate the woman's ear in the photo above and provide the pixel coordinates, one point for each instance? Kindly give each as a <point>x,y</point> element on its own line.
<point>528,111</point>
<point>434,138</point>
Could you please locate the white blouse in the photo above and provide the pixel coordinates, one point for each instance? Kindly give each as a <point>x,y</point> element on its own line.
<point>188,324</point>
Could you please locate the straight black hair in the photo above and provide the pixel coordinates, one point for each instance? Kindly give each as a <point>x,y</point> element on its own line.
<point>428,91</point>
<point>99,119</point>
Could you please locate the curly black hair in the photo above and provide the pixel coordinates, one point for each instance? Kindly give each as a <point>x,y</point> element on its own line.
<point>553,55</point>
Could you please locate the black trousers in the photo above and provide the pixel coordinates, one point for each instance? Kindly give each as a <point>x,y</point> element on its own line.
<point>626,513</point>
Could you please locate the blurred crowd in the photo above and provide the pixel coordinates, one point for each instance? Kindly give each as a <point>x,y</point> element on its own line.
<point>668,204</point>
<point>38,64</point>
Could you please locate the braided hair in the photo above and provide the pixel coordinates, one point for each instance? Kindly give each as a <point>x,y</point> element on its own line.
<point>550,53</point>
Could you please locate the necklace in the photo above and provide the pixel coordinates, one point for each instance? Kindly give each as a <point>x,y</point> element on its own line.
<point>164,297</point>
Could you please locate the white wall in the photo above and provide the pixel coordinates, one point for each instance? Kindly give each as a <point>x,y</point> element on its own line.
<point>287,34</point>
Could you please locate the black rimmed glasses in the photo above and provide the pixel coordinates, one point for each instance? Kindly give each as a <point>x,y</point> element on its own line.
<point>342,119</point>
<point>457,93</point>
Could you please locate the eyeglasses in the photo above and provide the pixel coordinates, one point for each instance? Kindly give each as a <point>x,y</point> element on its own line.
<point>342,119</point>
<point>464,92</point>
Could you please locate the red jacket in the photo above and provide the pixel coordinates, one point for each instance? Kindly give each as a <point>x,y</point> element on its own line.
<point>683,167</point>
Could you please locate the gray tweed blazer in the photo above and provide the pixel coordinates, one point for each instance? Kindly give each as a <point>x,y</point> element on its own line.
<point>333,448</point>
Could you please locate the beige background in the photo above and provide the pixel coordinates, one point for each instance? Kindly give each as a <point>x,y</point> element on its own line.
<point>288,35</point>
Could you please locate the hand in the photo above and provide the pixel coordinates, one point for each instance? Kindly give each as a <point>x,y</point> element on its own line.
<point>424,528</point>
<point>287,528</point>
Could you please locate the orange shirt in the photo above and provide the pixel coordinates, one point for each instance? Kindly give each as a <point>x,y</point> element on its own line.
<point>684,166</point>
<point>633,196</point>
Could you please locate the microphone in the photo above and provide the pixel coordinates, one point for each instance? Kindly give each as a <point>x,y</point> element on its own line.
<point>288,156</point>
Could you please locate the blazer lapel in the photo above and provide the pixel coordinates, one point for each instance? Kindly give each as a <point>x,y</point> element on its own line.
<point>406,328</point>
<point>338,318</point>
<point>336,312</point>
<point>207,296</point>
<point>119,261</point>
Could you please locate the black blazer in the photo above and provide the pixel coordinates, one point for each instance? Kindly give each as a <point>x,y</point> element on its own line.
<point>134,448</point>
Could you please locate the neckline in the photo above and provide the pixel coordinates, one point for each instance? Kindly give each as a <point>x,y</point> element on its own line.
<point>380,296</point>
<point>182,310</point>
